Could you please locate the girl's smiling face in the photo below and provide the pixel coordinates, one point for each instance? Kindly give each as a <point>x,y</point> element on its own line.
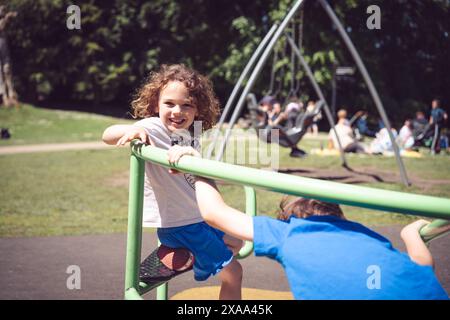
<point>175,107</point>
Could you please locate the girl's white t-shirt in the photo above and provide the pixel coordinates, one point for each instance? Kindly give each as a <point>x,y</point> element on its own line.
<point>169,199</point>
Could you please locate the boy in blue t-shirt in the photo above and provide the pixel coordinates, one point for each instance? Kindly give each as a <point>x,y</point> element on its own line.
<point>324,255</point>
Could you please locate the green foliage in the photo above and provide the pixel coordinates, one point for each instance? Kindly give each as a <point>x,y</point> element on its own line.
<point>121,41</point>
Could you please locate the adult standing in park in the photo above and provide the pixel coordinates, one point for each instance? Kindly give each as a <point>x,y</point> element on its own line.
<point>437,118</point>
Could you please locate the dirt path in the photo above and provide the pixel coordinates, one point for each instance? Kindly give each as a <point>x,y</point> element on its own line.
<point>363,175</point>
<point>89,145</point>
<point>49,147</point>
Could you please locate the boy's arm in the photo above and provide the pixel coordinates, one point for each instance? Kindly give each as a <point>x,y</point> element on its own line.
<point>120,134</point>
<point>212,207</point>
<point>219,215</point>
<point>417,249</point>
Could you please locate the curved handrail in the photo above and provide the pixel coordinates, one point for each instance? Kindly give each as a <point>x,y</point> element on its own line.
<point>360,196</point>
<point>366,197</point>
<point>436,229</point>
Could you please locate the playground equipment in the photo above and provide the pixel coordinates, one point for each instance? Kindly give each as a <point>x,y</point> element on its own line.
<point>365,197</point>
<point>274,37</point>
<point>289,136</point>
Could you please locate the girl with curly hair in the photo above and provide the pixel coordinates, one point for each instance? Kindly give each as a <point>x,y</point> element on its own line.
<point>169,102</point>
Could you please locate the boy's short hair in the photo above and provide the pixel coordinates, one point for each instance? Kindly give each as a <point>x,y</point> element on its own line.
<point>304,208</point>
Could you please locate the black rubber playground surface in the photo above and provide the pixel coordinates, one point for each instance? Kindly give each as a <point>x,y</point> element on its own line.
<point>35,268</point>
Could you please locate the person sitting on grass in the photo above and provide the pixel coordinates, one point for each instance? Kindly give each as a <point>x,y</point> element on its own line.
<point>421,128</point>
<point>405,138</point>
<point>324,255</point>
<point>382,144</point>
<point>346,137</point>
<point>359,120</point>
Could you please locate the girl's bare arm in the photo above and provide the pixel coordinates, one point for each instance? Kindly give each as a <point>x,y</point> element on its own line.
<point>219,215</point>
<point>120,134</point>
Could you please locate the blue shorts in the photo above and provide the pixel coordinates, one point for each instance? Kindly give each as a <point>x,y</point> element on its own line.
<point>206,244</point>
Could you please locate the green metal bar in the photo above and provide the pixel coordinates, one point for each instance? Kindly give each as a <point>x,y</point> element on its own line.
<point>162,290</point>
<point>359,196</point>
<point>132,294</point>
<point>436,229</point>
<point>144,288</point>
<point>134,235</point>
<point>250,209</point>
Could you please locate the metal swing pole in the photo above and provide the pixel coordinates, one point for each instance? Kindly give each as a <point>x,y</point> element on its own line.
<point>300,44</point>
<point>272,73</point>
<point>255,74</point>
<point>236,88</point>
<point>370,85</point>
<point>293,67</point>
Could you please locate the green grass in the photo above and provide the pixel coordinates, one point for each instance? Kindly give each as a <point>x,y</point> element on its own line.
<point>32,125</point>
<point>86,192</point>
<point>64,193</point>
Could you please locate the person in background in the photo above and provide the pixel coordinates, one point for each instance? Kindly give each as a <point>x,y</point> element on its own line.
<point>405,139</point>
<point>345,134</point>
<point>314,128</point>
<point>293,109</point>
<point>437,118</point>
<point>382,142</point>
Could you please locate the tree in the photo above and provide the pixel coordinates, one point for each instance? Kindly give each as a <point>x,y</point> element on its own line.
<point>120,42</point>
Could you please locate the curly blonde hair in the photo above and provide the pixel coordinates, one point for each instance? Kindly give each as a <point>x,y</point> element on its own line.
<point>199,87</point>
<point>303,208</point>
